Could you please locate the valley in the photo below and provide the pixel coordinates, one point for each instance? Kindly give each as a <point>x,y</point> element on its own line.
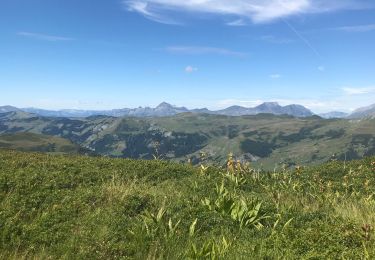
<point>265,140</point>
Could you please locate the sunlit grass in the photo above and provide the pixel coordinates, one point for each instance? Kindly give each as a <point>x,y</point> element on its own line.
<point>101,208</point>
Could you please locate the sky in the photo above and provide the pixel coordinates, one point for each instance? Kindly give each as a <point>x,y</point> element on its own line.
<point>105,54</point>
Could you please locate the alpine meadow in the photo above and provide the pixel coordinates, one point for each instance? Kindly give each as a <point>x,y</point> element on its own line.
<point>170,129</point>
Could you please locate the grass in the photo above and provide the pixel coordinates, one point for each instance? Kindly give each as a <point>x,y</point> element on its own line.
<point>77,207</point>
<point>30,142</point>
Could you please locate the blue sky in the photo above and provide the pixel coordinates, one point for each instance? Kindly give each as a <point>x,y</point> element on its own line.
<point>103,54</point>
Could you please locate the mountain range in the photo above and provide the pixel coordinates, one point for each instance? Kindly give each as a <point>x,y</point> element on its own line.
<point>268,107</point>
<point>165,109</point>
<point>265,140</point>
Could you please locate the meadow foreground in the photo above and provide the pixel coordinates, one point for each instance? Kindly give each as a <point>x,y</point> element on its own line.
<point>78,207</point>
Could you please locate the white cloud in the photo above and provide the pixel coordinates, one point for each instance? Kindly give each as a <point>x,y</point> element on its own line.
<point>44,37</point>
<point>192,50</point>
<point>238,22</point>
<point>257,11</point>
<point>358,91</point>
<point>275,76</point>
<point>142,7</point>
<point>190,69</point>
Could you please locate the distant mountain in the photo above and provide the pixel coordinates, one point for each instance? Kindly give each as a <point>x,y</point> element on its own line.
<point>165,109</point>
<point>6,109</point>
<point>267,107</point>
<point>295,110</point>
<point>334,114</point>
<point>234,111</point>
<point>201,111</point>
<point>15,115</point>
<point>364,112</point>
<point>61,113</point>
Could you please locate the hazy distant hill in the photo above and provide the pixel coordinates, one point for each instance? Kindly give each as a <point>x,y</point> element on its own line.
<point>37,142</point>
<point>264,139</point>
<point>5,109</point>
<point>15,115</point>
<point>165,109</point>
<point>334,114</point>
<point>364,112</point>
<point>268,107</point>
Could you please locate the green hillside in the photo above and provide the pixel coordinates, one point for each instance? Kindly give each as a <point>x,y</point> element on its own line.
<point>37,143</point>
<point>267,140</point>
<point>78,207</point>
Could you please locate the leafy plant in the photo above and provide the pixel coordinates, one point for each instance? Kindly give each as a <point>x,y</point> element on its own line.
<point>210,249</point>
<point>155,224</point>
<point>236,180</point>
<point>192,228</point>
<point>226,204</point>
<point>247,216</point>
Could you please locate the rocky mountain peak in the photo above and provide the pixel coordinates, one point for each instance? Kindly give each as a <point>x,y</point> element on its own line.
<point>164,105</point>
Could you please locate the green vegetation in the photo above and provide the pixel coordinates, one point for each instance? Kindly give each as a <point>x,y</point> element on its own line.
<point>30,142</point>
<point>78,207</point>
<point>268,141</point>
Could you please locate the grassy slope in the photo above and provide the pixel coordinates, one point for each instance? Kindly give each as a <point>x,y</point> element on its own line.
<point>90,208</point>
<point>37,142</point>
<point>286,135</point>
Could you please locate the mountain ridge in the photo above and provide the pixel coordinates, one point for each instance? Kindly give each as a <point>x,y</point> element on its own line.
<point>5,109</point>
<point>166,109</point>
<point>363,112</point>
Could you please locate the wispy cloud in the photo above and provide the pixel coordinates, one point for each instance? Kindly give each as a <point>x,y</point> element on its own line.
<point>321,68</point>
<point>275,76</point>
<point>194,50</point>
<point>143,8</point>
<point>257,11</point>
<point>356,28</point>
<point>44,37</point>
<point>358,91</point>
<point>238,22</point>
<point>275,39</point>
<point>190,69</point>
